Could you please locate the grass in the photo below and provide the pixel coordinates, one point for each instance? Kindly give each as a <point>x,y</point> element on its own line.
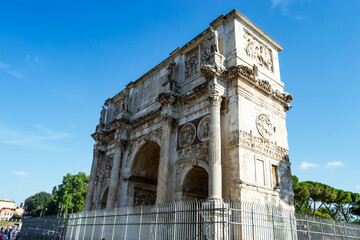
<point>7,223</point>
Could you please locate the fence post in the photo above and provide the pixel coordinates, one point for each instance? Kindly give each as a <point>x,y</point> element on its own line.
<point>174,234</point>
<point>140,222</point>
<point>273,221</point>
<point>252,221</point>
<point>322,229</point>
<point>156,220</point>
<point>102,230</point>
<point>114,225</point>
<point>126,222</point>
<point>86,219</point>
<point>308,228</point>
<point>291,225</point>
<point>345,230</point>
<point>334,229</point>
<point>93,228</point>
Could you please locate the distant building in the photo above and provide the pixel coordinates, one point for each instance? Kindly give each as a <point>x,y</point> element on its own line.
<point>8,209</point>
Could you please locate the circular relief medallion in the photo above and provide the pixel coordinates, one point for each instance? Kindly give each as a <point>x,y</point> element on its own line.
<point>203,129</point>
<point>264,125</point>
<point>187,135</point>
<point>108,164</point>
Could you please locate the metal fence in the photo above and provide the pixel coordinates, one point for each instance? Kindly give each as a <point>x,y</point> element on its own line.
<point>192,220</point>
<point>48,227</point>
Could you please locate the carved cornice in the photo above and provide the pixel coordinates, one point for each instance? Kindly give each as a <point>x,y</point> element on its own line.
<point>104,136</point>
<point>262,145</point>
<point>244,72</point>
<point>166,98</point>
<point>198,91</point>
<point>146,118</point>
<point>209,71</point>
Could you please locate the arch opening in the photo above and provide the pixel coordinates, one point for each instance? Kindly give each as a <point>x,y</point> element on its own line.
<point>196,184</point>
<point>144,173</point>
<point>104,199</point>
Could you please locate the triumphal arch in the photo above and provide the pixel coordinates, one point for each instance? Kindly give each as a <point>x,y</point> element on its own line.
<point>207,122</point>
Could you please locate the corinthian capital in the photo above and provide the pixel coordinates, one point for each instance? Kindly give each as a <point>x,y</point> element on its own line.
<point>166,120</point>
<point>215,100</point>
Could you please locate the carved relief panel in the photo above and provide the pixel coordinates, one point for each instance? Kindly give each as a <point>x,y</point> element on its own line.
<point>144,197</point>
<point>193,138</point>
<point>203,129</point>
<point>258,51</point>
<point>187,135</point>
<point>105,174</point>
<point>192,63</point>
<point>264,126</point>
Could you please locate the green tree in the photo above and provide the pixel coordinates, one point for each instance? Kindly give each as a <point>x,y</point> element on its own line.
<point>54,190</point>
<point>37,204</point>
<point>71,192</point>
<point>301,194</point>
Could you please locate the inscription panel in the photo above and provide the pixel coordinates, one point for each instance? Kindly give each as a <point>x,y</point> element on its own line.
<point>262,145</point>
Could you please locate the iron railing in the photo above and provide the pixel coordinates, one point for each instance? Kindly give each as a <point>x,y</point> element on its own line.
<point>191,220</point>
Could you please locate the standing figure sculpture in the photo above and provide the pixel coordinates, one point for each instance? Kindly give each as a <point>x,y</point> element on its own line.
<point>171,71</point>
<point>102,115</point>
<point>213,43</point>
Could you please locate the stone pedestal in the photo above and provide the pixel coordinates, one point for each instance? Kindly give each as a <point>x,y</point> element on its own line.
<point>216,216</point>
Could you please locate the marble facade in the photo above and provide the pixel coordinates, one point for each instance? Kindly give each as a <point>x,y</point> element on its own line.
<point>207,122</point>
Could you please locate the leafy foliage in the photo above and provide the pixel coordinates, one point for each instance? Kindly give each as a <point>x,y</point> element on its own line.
<point>37,204</point>
<point>71,193</point>
<point>323,200</point>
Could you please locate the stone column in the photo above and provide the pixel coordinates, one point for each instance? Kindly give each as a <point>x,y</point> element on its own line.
<point>94,167</point>
<point>110,204</point>
<point>163,173</point>
<point>215,179</point>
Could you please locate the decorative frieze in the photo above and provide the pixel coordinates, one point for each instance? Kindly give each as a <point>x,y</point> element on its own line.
<point>258,51</point>
<point>265,146</point>
<point>144,197</point>
<point>194,151</point>
<point>109,163</point>
<point>246,73</point>
<point>192,63</point>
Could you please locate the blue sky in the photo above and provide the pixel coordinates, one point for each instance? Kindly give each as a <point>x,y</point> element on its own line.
<point>60,60</point>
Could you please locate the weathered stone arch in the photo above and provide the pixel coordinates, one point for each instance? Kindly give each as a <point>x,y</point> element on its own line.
<point>104,197</point>
<point>143,173</point>
<point>135,150</point>
<point>195,180</point>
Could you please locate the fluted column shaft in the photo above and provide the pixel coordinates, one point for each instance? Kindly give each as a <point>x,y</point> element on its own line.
<point>115,171</point>
<point>215,172</point>
<point>91,186</point>
<point>163,173</point>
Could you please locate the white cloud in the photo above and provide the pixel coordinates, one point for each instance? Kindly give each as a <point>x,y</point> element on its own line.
<point>20,173</point>
<point>280,2</point>
<point>305,165</point>
<point>35,139</point>
<point>290,8</point>
<point>358,187</point>
<point>334,164</point>
<point>6,68</point>
<point>31,59</point>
